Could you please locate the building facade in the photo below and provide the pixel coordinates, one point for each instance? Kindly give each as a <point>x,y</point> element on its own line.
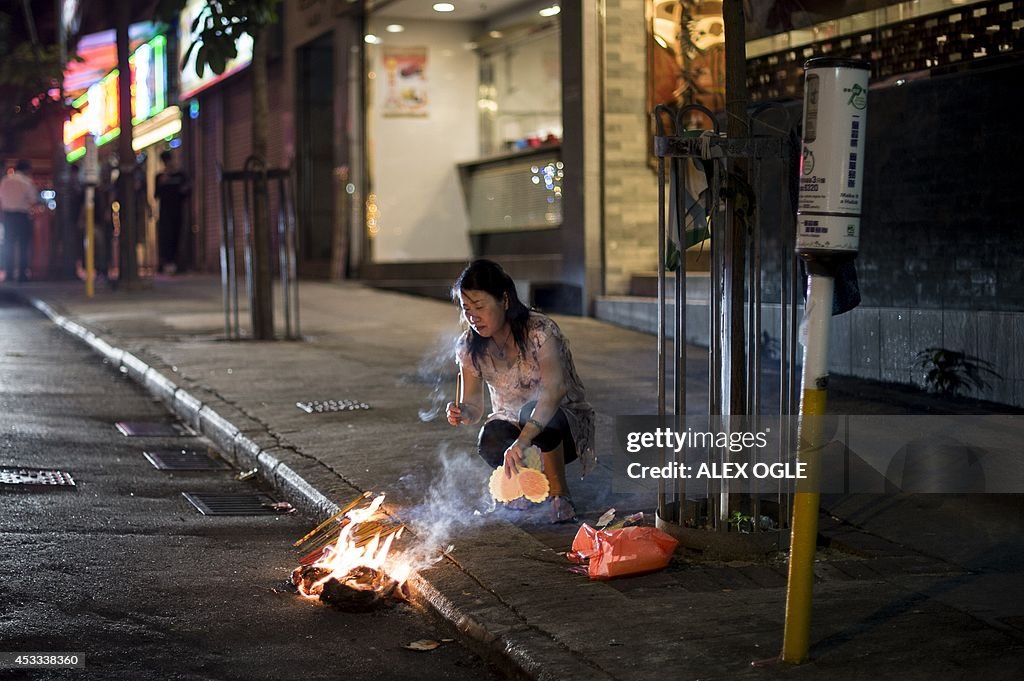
<point>420,139</point>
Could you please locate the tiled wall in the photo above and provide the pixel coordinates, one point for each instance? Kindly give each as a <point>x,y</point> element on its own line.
<point>881,344</point>
<point>942,204</point>
<point>939,41</point>
<point>631,187</point>
<point>872,342</point>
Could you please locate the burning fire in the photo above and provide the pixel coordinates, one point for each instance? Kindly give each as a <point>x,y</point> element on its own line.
<point>358,569</point>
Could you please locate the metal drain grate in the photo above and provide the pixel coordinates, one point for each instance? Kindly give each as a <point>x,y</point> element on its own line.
<point>152,429</point>
<point>35,476</point>
<point>320,406</point>
<point>184,460</point>
<point>231,504</point>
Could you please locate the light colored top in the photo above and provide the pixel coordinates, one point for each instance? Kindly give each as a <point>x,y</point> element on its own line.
<point>18,193</point>
<point>512,387</point>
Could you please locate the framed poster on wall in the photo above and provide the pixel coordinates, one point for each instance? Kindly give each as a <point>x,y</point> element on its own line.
<point>405,81</point>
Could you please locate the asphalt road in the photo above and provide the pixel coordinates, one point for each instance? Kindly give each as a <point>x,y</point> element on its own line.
<point>122,569</point>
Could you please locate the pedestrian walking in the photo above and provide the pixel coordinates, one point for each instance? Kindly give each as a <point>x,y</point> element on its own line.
<point>172,190</point>
<point>103,211</point>
<point>536,396</point>
<point>18,198</point>
<point>75,201</point>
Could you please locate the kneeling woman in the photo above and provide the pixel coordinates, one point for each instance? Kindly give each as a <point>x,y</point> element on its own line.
<point>536,396</point>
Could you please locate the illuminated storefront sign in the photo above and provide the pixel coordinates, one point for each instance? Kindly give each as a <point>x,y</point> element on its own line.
<point>97,110</point>
<point>190,83</point>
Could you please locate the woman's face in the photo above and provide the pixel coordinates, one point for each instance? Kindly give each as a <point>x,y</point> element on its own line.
<point>484,312</point>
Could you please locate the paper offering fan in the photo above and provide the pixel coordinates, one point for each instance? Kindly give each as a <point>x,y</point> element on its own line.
<point>529,482</point>
<point>532,458</point>
<point>503,488</point>
<point>533,484</point>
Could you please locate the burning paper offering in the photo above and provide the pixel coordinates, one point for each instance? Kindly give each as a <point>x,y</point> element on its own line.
<point>352,566</point>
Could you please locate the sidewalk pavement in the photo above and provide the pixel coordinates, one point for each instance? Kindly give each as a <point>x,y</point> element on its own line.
<point>908,587</point>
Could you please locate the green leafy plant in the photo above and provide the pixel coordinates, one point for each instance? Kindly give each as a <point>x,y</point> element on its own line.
<point>950,372</point>
<point>698,220</point>
<point>741,523</point>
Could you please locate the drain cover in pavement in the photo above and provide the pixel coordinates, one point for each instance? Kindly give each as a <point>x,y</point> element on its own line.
<point>35,476</point>
<point>152,429</point>
<point>231,504</point>
<point>320,406</point>
<point>184,460</point>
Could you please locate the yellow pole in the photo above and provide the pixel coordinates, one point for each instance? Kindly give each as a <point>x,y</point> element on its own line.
<point>90,263</point>
<point>804,532</point>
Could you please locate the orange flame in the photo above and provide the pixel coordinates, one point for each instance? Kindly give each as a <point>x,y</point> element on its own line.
<point>351,551</point>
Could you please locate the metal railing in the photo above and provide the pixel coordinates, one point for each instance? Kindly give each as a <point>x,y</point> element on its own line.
<point>673,153</point>
<point>253,178</point>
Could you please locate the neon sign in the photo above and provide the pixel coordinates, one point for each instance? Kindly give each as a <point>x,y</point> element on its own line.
<point>98,111</point>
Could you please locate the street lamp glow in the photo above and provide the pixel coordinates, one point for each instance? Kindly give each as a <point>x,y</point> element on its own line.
<point>444,7</point>
<point>550,11</point>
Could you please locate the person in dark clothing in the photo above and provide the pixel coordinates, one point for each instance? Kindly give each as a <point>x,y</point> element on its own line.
<point>103,202</point>
<point>19,198</point>
<point>76,199</point>
<point>173,188</point>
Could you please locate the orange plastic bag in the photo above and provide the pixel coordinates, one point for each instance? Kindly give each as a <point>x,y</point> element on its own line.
<point>622,552</point>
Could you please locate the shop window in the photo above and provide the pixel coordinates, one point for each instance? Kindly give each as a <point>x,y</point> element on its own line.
<point>520,89</point>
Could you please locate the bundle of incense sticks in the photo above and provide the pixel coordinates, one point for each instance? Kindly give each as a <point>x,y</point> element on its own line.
<point>327,532</point>
<point>339,515</point>
<point>384,531</point>
<point>363,535</point>
<point>458,390</point>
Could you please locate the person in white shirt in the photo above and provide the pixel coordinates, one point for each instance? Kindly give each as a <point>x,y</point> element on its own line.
<point>18,196</point>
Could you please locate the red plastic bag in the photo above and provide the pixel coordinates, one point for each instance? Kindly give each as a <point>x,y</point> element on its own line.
<point>618,553</point>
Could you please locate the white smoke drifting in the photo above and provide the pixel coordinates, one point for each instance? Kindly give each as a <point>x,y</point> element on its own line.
<point>437,372</point>
<point>455,500</point>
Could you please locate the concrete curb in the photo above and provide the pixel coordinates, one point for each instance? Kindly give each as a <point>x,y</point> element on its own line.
<point>526,652</point>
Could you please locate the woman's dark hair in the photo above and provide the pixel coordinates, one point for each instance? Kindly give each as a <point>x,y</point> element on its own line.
<point>489,277</point>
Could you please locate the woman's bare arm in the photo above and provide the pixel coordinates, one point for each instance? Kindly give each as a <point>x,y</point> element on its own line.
<point>471,409</point>
<point>553,390</point>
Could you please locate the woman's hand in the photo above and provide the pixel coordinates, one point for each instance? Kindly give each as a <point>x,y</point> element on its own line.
<point>454,413</point>
<point>471,407</point>
<point>514,458</point>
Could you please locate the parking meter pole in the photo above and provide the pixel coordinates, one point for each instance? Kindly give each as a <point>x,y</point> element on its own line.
<point>827,235</point>
<point>804,525</point>
<point>90,177</point>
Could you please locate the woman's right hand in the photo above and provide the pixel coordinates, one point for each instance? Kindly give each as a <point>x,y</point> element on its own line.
<point>454,413</point>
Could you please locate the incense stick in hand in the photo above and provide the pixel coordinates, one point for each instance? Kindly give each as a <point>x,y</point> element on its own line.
<point>459,394</point>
